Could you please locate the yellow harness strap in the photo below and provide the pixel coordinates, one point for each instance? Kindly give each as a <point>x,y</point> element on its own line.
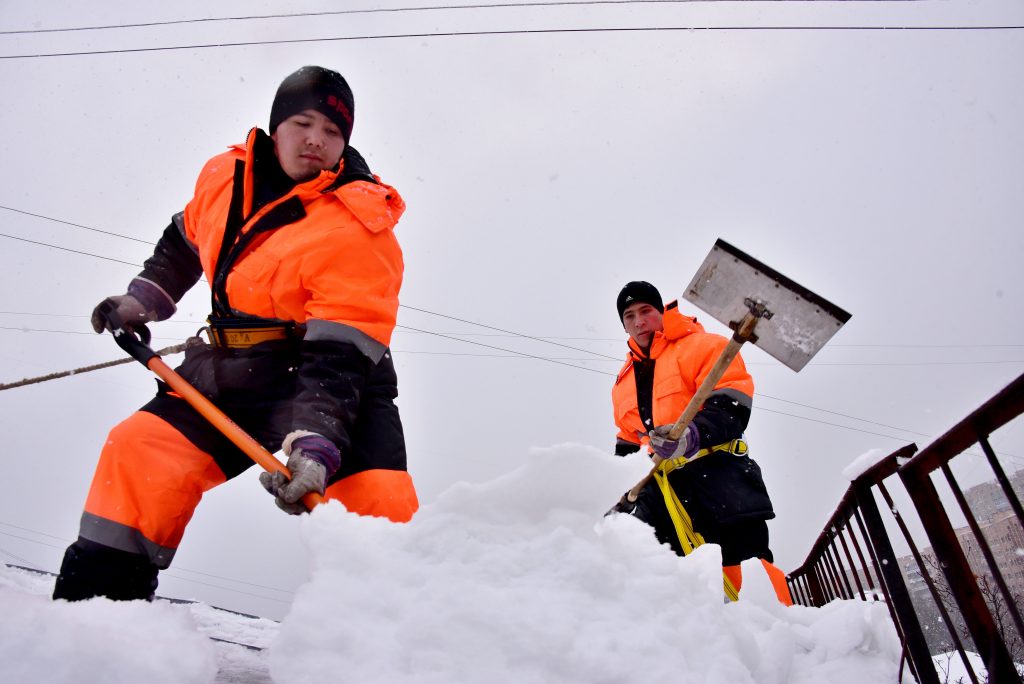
<point>689,538</point>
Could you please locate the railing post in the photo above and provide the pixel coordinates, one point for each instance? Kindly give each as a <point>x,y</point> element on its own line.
<point>959,576</point>
<point>889,569</point>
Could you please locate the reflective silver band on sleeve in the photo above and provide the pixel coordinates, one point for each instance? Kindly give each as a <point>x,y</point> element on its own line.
<point>168,297</point>
<point>319,329</point>
<point>124,538</point>
<point>737,396</point>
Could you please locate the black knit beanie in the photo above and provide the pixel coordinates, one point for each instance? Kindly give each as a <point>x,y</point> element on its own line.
<point>638,291</point>
<point>313,87</point>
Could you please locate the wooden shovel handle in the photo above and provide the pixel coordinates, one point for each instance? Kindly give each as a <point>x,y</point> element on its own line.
<point>744,331</point>
<point>218,419</point>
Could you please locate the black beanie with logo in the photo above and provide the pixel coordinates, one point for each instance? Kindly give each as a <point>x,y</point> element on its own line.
<point>313,87</point>
<point>638,291</point>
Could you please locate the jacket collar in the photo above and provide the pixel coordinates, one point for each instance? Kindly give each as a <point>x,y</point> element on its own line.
<point>676,326</point>
<point>377,211</point>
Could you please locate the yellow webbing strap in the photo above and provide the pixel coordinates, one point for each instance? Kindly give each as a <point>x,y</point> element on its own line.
<point>689,538</point>
<point>736,447</point>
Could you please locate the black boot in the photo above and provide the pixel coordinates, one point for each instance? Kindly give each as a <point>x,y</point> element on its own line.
<point>90,569</point>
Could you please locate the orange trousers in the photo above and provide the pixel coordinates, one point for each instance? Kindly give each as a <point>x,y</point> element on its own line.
<point>777,577</point>
<point>150,478</point>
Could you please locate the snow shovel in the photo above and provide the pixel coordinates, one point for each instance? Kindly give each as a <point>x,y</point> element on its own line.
<point>135,341</point>
<point>762,307</point>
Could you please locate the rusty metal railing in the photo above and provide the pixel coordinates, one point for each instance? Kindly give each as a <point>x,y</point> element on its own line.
<point>853,557</point>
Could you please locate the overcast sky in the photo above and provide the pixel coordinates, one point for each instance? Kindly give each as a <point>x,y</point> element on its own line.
<point>882,169</point>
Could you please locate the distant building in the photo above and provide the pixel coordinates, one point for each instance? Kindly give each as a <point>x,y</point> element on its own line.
<point>1004,534</point>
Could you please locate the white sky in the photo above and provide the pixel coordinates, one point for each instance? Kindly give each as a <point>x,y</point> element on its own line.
<point>881,169</point>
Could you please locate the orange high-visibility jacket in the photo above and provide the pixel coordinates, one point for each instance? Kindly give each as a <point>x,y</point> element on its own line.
<point>324,256</point>
<point>684,354</point>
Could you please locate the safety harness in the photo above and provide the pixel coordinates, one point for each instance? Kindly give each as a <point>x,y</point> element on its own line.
<point>242,333</point>
<point>689,538</point>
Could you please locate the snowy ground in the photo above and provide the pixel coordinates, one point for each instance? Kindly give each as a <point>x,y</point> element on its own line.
<point>103,641</point>
<point>517,580</point>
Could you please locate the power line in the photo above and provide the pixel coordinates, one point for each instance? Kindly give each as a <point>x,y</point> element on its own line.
<point>67,249</point>
<point>602,358</point>
<point>508,332</point>
<point>1011,457</point>
<point>228,579</point>
<point>76,225</point>
<point>836,413</point>
<point>507,32</point>
<point>394,10</point>
<point>546,338</point>
<point>512,351</point>
<point>19,559</point>
<point>517,354</point>
<point>64,542</point>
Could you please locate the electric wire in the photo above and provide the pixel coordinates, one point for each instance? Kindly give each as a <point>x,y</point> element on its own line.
<point>601,358</point>
<point>76,225</point>
<point>21,560</point>
<point>398,10</point>
<point>170,573</point>
<point>507,332</point>
<point>513,351</point>
<point>518,354</point>
<point>508,32</point>
<point>68,249</point>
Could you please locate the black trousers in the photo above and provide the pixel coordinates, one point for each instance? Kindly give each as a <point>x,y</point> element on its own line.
<point>739,540</point>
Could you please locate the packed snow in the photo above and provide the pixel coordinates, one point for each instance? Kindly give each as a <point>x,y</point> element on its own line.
<point>520,579</point>
<point>864,463</point>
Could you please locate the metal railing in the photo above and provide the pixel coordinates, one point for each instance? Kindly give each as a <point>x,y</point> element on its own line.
<point>959,583</point>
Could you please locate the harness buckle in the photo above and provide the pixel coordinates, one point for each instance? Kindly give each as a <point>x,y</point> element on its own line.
<point>242,333</point>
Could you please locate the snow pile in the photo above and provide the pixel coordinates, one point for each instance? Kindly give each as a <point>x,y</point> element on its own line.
<point>523,580</point>
<point>520,580</point>
<point>864,463</point>
<point>98,640</point>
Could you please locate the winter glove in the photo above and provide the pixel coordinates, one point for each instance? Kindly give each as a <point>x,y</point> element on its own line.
<point>312,459</point>
<point>687,444</point>
<point>144,302</point>
<point>624,505</point>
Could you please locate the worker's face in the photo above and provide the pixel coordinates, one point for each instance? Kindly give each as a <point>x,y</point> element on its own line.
<point>306,143</point>
<point>641,321</point>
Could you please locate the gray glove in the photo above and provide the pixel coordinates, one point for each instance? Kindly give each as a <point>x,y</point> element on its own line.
<point>145,302</point>
<point>311,460</point>
<point>113,312</point>
<point>687,445</point>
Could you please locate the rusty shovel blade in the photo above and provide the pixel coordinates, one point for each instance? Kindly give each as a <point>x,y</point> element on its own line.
<point>797,323</point>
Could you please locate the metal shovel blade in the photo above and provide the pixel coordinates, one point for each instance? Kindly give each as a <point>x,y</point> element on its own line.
<point>801,322</point>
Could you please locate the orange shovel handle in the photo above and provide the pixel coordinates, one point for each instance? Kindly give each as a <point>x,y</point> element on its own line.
<point>240,437</point>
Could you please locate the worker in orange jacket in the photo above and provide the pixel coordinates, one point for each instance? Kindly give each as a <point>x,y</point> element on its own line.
<point>295,236</point>
<point>720,486</point>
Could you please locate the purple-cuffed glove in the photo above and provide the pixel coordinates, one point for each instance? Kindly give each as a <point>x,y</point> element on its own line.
<point>146,301</point>
<point>687,445</point>
<point>312,459</point>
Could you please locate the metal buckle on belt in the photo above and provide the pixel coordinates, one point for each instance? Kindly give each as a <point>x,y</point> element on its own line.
<point>243,333</point>
<point>736,447</point>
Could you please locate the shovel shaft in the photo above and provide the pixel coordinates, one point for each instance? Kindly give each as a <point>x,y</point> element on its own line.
<point>706,388</point>
<point>744,331</point>
<point>218,419</point>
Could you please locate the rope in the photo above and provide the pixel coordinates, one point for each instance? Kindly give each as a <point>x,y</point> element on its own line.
<point>174,349</point>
